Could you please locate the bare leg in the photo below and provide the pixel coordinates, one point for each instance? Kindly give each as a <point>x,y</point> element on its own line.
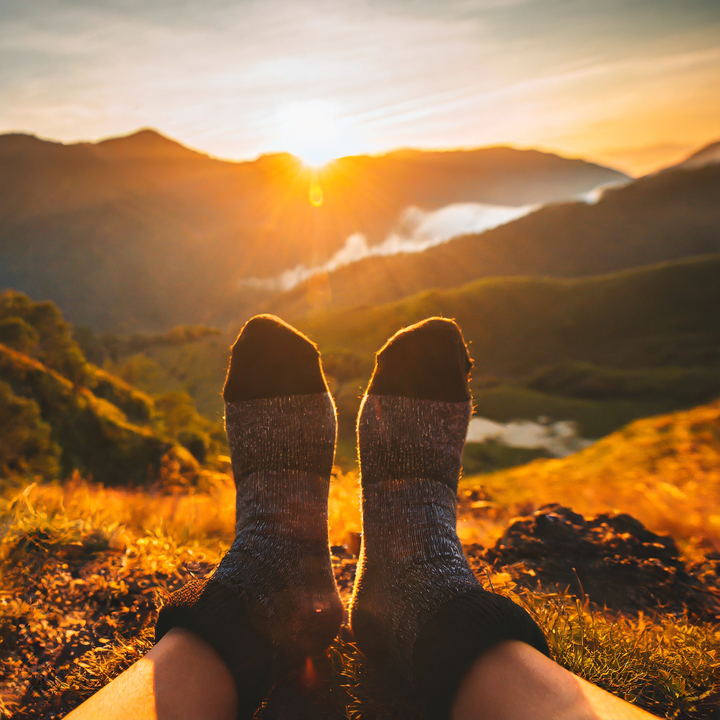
<point>181,678</point>
<point>513,681</point>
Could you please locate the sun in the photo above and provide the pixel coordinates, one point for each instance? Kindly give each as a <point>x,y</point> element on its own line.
<point>315,132</point>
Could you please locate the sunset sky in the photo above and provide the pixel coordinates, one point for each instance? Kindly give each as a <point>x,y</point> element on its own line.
<point>631,83</point>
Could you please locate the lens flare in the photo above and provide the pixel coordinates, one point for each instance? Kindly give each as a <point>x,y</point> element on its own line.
<point>316,194</point>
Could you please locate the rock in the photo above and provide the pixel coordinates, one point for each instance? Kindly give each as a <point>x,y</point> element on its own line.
<point>612,559</point>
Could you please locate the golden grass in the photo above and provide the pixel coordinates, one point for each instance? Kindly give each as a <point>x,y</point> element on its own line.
<point>76,511</point>
<point>663,663</point>
<point>663,470</point>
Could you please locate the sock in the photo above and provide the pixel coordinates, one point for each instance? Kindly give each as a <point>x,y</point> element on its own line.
<point>418,612</point>
<point>272,601</point>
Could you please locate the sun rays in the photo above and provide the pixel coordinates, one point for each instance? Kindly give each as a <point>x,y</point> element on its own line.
<point>315,132</point>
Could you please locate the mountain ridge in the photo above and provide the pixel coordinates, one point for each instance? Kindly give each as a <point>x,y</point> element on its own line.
<point>615,320</point>
<point>653,219</point>
<point>704,156</point>
<point>141,233</point>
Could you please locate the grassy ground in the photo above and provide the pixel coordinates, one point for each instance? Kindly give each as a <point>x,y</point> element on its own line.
<point>84,569</point>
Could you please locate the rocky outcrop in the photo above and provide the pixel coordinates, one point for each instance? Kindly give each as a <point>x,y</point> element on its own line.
<point>614,560</point>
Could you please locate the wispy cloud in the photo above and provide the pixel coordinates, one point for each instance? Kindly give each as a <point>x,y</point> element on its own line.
<point>417,231</point>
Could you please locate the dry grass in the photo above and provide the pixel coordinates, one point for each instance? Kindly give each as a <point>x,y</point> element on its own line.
<point>203,515</point>
<point>664,470</point>
<point>85,567</point>
<point>664,664</point>
<point>77,510</point>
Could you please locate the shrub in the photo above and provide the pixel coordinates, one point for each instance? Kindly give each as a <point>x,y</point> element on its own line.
<point>26,446</point>
<point>54,345</point>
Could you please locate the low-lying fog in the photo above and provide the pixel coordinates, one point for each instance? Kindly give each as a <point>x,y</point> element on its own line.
<point>416,230</point>
<point>559,438</point>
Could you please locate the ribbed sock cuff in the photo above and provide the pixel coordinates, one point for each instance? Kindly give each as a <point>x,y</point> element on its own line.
<point>222,617</point>
<point>457,634</point>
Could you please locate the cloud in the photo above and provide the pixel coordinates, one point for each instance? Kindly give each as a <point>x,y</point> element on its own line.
<point>218,75</point>
<point>592,197</point>
<point>560,438</point>
<point>417,231</point>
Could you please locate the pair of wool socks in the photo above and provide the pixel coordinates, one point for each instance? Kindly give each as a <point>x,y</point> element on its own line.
<point>418,612</point>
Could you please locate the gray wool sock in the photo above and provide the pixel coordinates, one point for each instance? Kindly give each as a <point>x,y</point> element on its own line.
<point>418,612</point>
<point>282,451</point>
<point>272,601</point>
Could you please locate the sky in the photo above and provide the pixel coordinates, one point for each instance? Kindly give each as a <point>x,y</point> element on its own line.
<point>634,84</point>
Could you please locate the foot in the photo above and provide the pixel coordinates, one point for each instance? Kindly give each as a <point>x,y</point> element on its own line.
<point>272,601</point>
<point>418,612</point>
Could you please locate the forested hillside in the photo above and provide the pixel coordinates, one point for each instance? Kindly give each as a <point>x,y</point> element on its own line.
<point>663,217</point>
<point>141,233</point>
<point>61,414</point>
<point>601,351</point>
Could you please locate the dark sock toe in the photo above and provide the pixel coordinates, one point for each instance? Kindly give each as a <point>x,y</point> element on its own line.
<point>271,359</point>
<point>429,361</point>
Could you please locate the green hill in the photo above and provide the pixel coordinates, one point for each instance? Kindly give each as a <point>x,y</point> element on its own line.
<point>91,434</point>
<point>658,218</point>
<point>651,317</point>
<point>601,351</point>
<point>62,414</point>
<point>140,233</point>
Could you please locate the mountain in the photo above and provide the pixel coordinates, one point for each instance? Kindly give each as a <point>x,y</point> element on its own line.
<point>658,316</point>
<point>600,351</point>
<point>663,217</point>
<point>141,233</point>
<point>708,155</point>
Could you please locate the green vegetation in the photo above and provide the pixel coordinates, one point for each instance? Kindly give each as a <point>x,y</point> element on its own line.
<point>656,317</point>
<point>105,347</point>
<point>26,445</point>
<point>600,351</point>
<point>197,368</point>
<point>138,406</point>
<point>94,435</point>
<point>583,380</point>
<point>66,414</point>
<point>595,418</point>
<point>37,329</point>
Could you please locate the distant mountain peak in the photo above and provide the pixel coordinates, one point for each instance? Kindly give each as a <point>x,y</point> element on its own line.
<point>708,155</point>
<point>146,143</point>
<point>22,143</point>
